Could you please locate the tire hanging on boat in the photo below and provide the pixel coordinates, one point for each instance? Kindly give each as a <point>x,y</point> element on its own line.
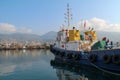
<point>76,56</point>
<point>116,59</point>
<point>69,55</point>
<point>107,58</point>
<point>92,58</point>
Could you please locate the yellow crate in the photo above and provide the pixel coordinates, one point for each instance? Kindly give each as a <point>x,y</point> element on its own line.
<point>72,31</point>
<point>71,39</point>
<point>74,35</point>
<point>74,38</point>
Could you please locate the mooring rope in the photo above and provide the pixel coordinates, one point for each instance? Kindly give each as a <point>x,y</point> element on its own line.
<point>105,70</point>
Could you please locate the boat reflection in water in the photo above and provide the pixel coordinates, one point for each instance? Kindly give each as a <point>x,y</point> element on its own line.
<point>66,71</point>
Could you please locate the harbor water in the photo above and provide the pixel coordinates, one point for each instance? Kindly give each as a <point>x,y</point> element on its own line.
<point>36,65</point>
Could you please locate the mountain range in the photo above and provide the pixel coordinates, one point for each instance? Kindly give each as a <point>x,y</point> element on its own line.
<point>22,37</point>
<point>51,36</point>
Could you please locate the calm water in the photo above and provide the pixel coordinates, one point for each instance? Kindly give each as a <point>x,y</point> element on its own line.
<point>35,65</point>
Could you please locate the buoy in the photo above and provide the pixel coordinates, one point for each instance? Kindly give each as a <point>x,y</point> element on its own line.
<point>76,56</point>
<point>116,59</point>
<point>69,55</point>
<point>106,58</point>
<point>92,57</point>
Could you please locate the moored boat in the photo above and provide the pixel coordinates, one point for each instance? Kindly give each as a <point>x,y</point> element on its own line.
<point>73,47</point>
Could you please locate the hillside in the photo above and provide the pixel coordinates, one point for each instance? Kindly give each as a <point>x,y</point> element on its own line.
<point>19,37</point>
<point>50,36</point>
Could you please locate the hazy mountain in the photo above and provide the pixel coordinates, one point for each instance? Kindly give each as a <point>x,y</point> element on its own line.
<point>50,36</point>
<point>19,37</point>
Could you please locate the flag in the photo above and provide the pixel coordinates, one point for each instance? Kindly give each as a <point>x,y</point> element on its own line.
<point>84,24</point>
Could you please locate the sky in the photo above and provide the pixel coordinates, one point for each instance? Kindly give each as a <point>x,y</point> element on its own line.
<point>42,16</point>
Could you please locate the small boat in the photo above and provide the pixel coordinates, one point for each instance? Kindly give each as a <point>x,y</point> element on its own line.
<point>73,46</point>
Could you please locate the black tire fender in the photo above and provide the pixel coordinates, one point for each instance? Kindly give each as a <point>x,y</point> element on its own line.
<point>107,58</point>
<point>69,55</point>
<point>92,57</point>
<point>76,56</point>
<point>116,59</point>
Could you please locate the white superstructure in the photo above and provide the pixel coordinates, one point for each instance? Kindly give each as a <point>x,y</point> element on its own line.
<point>71,39</point>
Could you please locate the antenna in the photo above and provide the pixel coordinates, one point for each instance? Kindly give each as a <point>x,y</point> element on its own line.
<point>68,16</point>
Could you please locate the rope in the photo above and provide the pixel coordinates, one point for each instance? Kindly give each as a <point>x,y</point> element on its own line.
<point>105,70</point>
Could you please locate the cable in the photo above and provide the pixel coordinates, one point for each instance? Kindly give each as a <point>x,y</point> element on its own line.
<point>105,70</point>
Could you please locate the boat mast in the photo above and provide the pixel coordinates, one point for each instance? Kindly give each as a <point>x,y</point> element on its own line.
<point>68,16</point>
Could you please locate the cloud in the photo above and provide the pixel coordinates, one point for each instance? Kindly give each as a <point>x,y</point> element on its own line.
<point>9,28</point>
<point>24,30</point>
<point>100,25</point>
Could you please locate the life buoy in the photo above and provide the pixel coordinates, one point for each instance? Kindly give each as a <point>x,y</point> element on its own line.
<point>92,57</point>
<point>106,58</point>
<point>76,56</point>
<point>116,59</point>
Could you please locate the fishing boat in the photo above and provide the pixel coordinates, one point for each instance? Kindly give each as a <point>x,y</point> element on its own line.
<point>75,47</point>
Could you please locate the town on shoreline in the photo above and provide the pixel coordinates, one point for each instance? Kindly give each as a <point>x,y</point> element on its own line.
<point>26,45</point>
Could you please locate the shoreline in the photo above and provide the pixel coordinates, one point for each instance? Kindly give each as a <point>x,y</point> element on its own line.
<point>45,47</point>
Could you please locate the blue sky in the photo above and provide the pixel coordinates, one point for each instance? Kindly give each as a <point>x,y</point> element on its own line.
<point>41,16</point>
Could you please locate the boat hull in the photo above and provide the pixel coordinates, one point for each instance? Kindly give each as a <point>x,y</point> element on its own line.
<point>101,59</point>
